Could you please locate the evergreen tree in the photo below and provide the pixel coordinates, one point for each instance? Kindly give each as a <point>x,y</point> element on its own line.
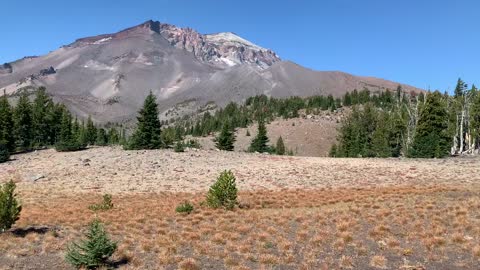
<point>94,251</point>
<point>280,146</point>
<point>10,207</point>
<point>4,152</point>
<point>6,123</point>
<point>76,129</point>
<point>113,136</point>
<point>148,132</point>
<point>42,107</point>
<point>460,88</point>
<point>333,151</point>
<point>260,142</point>
<point>82,134</point>
<point>226,138</point>
<point>399,93</point>
<point>380,146</point>
<point>66,134</point>
<point>101,138</point>
<point>475,118</point>
<point>66,138</point>
<point>431,138</point>
<point>91,131</point>
<point>356,133</point>
<point>54,120</point>
<point>23,123</point>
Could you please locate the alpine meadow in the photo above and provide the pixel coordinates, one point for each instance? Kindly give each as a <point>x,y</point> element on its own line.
<point>151,145</point>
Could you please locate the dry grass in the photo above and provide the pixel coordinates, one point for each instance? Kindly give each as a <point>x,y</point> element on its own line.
<point>361,227</point>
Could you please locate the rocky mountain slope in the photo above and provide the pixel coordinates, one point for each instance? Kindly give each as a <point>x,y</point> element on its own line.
<point>108,76</point>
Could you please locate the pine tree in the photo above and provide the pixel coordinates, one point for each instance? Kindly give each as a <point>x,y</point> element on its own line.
<point>101,138</point>
<point>6,123</point>
<point>91,131</point>
<point>356,133</point>
<point>42,107</point>
<point>66,134</point>
<point>23,123</point>
<point>223,193</point>
<point>10,207</point>
<point>333,151</point>
<point>226,138</point>
<point>475,117</point>
<point>460,88</point>
<point>280,146</point>
<point>431,138</point>
<point>94,251</point>
<point>380,146</point>
<point>347,99</point>
<point>82,134</point>
<point>113,136</point>
<point>75,127</point>
<point>148,132</point>
<point>67,141</point>
<point>54,119</point>
<point>4,152</point>
<point>260,142</point>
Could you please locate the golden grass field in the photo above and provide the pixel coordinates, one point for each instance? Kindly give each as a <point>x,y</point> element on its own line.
<point>296,212</point>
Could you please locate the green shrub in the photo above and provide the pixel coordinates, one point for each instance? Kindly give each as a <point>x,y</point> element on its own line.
<point>106,204</point>
<point>179,147</point>
<point>10,207</point>
<point>69,146</point>
<point>193,144</point>
<point>185,207</point>
<point>94,251</point>
<point>4,153</point>
<point>280,147</point>
<point>223,193</point>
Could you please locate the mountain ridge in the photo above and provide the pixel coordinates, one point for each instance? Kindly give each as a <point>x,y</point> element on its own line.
<point>108,76</point>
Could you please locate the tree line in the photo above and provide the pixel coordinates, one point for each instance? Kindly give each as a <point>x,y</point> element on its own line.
<point>40,123</point>
<point>423,125</point>
<point>386,124</point>
<point>268,108</point>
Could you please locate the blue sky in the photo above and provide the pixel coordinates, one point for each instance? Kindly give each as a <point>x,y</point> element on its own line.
<point>428,44</point>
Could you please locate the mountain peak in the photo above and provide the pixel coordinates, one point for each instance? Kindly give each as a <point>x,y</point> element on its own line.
<point>151,25</point>
<point>232,38</point>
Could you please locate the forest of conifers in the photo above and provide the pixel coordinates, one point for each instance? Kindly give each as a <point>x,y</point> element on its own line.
<point>386,124</point>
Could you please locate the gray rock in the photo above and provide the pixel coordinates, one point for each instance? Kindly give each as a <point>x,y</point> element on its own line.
<point>35,177</point>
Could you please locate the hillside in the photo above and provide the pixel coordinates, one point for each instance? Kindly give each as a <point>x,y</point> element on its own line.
<point>108,76</point>
<point>309,135</point>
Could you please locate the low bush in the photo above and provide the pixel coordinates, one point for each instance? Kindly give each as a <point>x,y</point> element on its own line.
<point>69,146</point>
<point>10,207</point>
<point>192,143</point>
<point>223,193</point>
<point>179,147</point>
<point>106,204</point>
<point>185,207</point>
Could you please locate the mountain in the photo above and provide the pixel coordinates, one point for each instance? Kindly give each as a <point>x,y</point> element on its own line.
<point>108,76</point>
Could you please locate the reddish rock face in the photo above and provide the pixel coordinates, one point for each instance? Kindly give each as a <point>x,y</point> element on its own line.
<point>221,50</point>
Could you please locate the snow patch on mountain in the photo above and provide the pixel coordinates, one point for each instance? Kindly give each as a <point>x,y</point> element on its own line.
<point>229,37</point>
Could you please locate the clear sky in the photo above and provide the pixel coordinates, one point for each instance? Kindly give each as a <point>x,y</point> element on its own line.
<point>425,43</point>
